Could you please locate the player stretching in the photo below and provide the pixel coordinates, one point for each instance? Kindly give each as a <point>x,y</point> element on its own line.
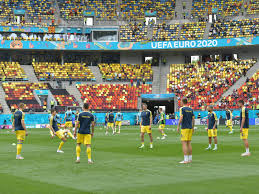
<point>145,125</point>
<point>68,124</point>
<point>58,123</point>
<point>162,123</point>
<point>118,120</point>
<point>229,120</point>
<point>187,122</point>
<point>212,128</point>
<point>110,123</point>
<point>53,124</point>
<point>244,126</point>
<point>85,120</point>
<point>20,129</point>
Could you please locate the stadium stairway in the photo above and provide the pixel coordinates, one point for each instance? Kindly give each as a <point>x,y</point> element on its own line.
<point>188,7</point>
<point>3,102</point>
<point>243,7</point>
<point>156,80</point>
<point>207,30</point>
<point>178,9</point>
<point>97,73</point>
<point>72,90</point>
<point>57,12</point>
<point>164,69</point>
<point>240,82</point>
<point>159,83</point>
<point>149,32</point>
<point>28,69</point>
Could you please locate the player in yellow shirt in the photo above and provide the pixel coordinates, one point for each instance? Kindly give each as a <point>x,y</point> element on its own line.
<point>186,122</point>
<point>118,120</point>
<point>110,123</point>
<point>85,123</point>
<point>53,124</point>
<point>162,123</point>
<point>229,120</point>
<point>145,125</point>
<point>20,129</point>
<point>68,122</point>
<point>244,126</point>
<point>212,128</point>
<point>68,119</point>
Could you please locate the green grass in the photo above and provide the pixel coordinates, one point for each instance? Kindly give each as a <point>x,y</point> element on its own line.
<point>120,167</point>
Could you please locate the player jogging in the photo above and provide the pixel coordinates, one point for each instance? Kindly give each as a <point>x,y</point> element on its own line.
<point>53,124</point>
<point>162,123</point>
<point>145,125</point>
<point>110,123</point>
<point>85,134</point>
<point>118,120</point>
<point>244,126</point>
<point>187,129</point>
<point>229,120</point>
<point>212,128</point>
<point>20,129</point>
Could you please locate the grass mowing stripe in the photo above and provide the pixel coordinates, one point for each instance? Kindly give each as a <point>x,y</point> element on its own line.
<point>21,185</point>
<point>213,186</point>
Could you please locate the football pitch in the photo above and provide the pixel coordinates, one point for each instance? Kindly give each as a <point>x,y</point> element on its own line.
<point>120,167</point>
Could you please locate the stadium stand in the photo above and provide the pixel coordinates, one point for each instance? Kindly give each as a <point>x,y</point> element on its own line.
<point>137,32</point>
<point>56,71</point>
<point>12,71</point>
<point>134,32</point>
<point>232,7</point>
<point>126,71</point>
<point>62,97</point>
<point>253,7</point>
<point>164,32</point>
<point>135,9</point>
<point>113,96</point>
<point>204,83</point>
<point>201,8</point>
<point>235,28</point>
<point>34,8</point>
<point>17,92</point>
<point>192,31</point>
<point>66,100</point>
<point>248,92</point>
<point>72,9</point>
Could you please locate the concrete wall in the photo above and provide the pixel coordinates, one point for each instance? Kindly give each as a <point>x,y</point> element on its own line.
<point>130,57</point>
<point>249,53</point>
<point>178,57</point>
<point>173,58</point>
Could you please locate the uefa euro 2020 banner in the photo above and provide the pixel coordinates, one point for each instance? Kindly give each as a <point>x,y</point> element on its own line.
<point>163,45</point>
